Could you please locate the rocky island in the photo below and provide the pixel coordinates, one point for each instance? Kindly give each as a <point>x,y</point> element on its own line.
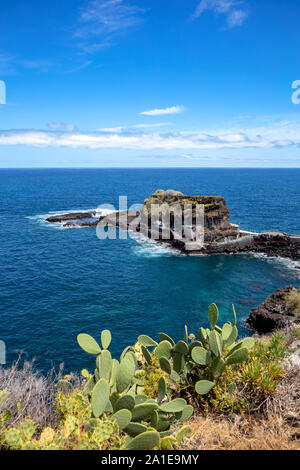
<point>219,235</point>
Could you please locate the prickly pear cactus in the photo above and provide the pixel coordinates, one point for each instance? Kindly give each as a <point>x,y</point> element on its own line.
<point>115,391</point>
<point>208,356</point>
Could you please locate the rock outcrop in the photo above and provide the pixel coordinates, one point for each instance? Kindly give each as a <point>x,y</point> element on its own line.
<point>217,226</point>
<point>271,244</point>
<point>218,235</point>
<point>71,216</point>
<point>274,313</point>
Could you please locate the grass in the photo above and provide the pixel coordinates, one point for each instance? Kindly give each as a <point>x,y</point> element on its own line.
<point>293,302</point>
<point>243,433</point>
<point>29,394</point>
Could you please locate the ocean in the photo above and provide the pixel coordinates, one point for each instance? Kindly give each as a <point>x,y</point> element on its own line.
<point>57,283</point>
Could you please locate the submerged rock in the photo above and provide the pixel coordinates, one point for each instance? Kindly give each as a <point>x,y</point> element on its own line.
<point>274,313</point>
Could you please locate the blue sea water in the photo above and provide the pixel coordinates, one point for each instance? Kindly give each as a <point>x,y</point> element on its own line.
<point>57,283</point>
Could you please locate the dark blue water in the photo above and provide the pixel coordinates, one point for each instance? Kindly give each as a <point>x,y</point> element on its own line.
<point>55,283</point>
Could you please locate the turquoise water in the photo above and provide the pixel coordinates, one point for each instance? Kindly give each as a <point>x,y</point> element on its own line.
<point>57,283</point>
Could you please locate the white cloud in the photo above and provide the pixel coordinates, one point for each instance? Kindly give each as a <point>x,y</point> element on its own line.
<point>234,10</point>
<point>161,112</point>
<point>135,127</point>
<point>61,126</point>
<point>236,18</point>
<point>283,134</point>
<point>101,21</point>
<point>10,64</point>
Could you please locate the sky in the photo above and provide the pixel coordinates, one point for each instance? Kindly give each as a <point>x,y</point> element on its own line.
<point>157,83</point>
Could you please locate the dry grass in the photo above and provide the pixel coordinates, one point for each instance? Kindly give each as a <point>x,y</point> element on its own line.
<point>244,433</point>
<point>28,393</point>
<point>286,400</point>
<point>293,302</point>
<point>276,425</point>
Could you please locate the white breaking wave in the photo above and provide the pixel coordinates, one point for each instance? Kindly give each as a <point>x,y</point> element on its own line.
<point>149,248</point>
<point>280,262</point>
<point>41,218</point>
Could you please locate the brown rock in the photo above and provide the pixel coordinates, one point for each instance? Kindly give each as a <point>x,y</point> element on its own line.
<point>273,313</point>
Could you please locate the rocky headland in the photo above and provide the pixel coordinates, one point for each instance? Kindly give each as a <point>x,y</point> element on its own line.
<point>220,236</point>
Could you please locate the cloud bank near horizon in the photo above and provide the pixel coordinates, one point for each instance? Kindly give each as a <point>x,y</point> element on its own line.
<point>281,135</point>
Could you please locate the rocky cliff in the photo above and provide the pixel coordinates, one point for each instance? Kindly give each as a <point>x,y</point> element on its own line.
<point>217,227</point>
<point>276,312</point>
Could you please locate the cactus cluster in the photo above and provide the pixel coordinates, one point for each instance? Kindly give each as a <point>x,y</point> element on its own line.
<point>115,391</point>
<point>205,358</point>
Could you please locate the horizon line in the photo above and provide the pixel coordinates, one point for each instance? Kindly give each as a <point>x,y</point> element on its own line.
<point>154,168</point>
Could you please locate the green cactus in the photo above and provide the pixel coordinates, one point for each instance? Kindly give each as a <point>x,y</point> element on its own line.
<point>217,367</point>
<point>204,386</point>
<point>126,402</point>
<point>174,406</point>
<point>134,429</point>
<point>164,337</point>
<point>100,397</point>
<point>162,390</point>
<point>185,414</point>
<point>202,335</point>
<point>104,364</point>
<point>213,314</point>
<point>163,424</point>
<point>181,347</point>
<point>165,365</point>
<point>215,343</point>
<point>226,332</point>
<point>140,399</point>
<point>143,411</point>
<point>145,441</point>
<point>125,372</point>
<point>105,339</point>
<point>114,369</point>
<point>116,389</point>
<point>147,341</point>
<point>207,358</point>
<point>146,355</point>
<point>201,356</point>
<point>186,335</point>
<point>88,344</point>
<point>164,350</point>
<point>237,357</point>
<point>123,418</point>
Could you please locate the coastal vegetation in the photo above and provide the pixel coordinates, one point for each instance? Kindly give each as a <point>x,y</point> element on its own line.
<point>293,301</point>
<point>207,391</point>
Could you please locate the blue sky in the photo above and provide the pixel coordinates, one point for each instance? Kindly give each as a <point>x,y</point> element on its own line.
<point>128,83</point>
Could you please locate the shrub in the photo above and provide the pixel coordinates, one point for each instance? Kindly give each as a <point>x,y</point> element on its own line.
<point>149,373</point>
<point>293,301</point>
<point>256,380</point>
<point>197,366</point>
<point>28,393</point>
